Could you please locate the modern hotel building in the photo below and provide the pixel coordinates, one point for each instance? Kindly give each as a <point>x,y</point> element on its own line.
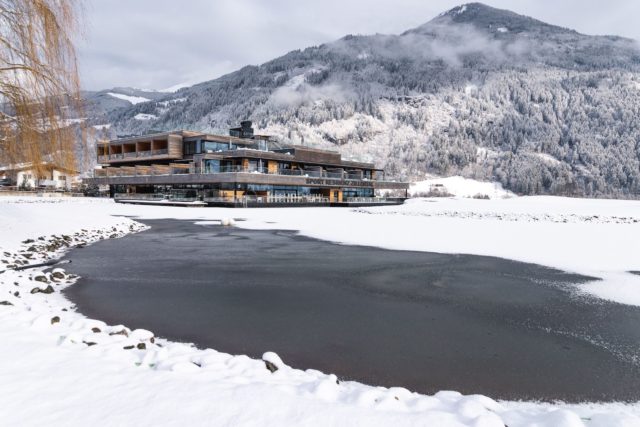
<point>241,169</point>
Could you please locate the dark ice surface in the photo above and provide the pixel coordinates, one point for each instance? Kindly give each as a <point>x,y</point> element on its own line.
<point>424,321</point>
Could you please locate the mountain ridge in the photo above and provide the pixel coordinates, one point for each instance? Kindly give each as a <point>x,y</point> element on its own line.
<point>477,91</point>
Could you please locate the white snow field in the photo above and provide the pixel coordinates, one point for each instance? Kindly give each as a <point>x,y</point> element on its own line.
<point>129,98</point>
<point>60,368</point>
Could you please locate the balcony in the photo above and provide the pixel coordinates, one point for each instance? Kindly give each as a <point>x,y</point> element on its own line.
<point>188,169</point>
<point>132,155</point>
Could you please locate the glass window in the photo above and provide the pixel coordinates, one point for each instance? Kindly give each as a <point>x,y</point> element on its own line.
<point>214,146</point>
<point>190,148</point>
<point>261,144</point>
<point>211,166</point>
<point>253,165</point>
<point>357,192</point>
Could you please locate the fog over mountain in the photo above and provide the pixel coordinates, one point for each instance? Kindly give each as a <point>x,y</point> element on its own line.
<point>476,91</point>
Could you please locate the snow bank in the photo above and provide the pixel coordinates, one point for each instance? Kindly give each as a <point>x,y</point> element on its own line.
<point>459,187</point>
<point>70,370</point>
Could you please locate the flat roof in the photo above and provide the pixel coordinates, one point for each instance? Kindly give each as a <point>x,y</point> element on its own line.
<point>186,134</point>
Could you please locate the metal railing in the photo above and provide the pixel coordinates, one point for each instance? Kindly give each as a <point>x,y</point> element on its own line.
<point>284,198</point>
<point>253,170</point>
<point>154,197</point>
<point>245,200</point>
<point>133,154</point>
<point>271,199</point>
<point>366,200</point>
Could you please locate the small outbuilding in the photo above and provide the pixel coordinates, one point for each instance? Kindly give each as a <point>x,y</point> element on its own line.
<point>50,176</point>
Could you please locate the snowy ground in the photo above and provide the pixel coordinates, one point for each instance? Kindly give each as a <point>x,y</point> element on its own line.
<point>60,368</point>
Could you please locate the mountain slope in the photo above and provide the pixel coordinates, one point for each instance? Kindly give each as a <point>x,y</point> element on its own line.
<point>476,91</point>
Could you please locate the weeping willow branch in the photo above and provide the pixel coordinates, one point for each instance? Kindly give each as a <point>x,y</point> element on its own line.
<point>39,84</point>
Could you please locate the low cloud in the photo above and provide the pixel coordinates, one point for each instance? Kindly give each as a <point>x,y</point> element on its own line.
<point>450,43</point>
<point>308,94</point>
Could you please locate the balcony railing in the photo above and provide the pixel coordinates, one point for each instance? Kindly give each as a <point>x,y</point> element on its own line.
<point>246,200</point>
<point>116,171</point>
<point>368,200</point>
<point>154,197</point>
<point>276,199</point>
<point>133,154</point>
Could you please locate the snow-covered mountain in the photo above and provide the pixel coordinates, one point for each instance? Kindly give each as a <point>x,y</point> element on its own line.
<point>102,102</point>
<point>477,91</point>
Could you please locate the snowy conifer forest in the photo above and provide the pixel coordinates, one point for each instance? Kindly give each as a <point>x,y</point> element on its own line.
<point>477,91</point>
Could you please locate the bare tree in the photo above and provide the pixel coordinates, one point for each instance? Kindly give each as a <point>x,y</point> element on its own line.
<point>39,84</point>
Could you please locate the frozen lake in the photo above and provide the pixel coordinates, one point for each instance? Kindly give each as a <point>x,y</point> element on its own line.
<point>424,321</point>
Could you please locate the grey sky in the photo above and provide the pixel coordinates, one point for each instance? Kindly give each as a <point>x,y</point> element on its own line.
<point>160,43</point>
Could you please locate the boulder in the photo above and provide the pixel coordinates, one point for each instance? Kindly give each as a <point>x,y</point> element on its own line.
<point>48,290</point>
<point>58,275</point>
<point>272,361</point>
<point>55,319</point>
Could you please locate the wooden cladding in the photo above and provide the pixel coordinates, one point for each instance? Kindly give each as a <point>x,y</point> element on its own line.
<point>142,170</point>
<point>161,169</point>
<point>160,147</point>
<point>175,146</point>
<point>316,156</point>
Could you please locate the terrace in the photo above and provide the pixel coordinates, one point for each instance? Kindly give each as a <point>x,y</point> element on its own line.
<point>183,168</point>
<point>134,150</point>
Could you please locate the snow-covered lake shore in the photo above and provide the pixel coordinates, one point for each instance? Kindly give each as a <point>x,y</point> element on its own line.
<point>64,372</point>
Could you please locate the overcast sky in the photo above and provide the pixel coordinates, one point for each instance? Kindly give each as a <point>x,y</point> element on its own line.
<point>161,43</point>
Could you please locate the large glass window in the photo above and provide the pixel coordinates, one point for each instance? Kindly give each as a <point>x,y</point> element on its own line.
<point>254,165</point>
<point>261,144</point>
<point>259,187</point>
<point>215,146</point>
<point>189,148</point>
<point>211,166</point>
<point>357,192</point>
